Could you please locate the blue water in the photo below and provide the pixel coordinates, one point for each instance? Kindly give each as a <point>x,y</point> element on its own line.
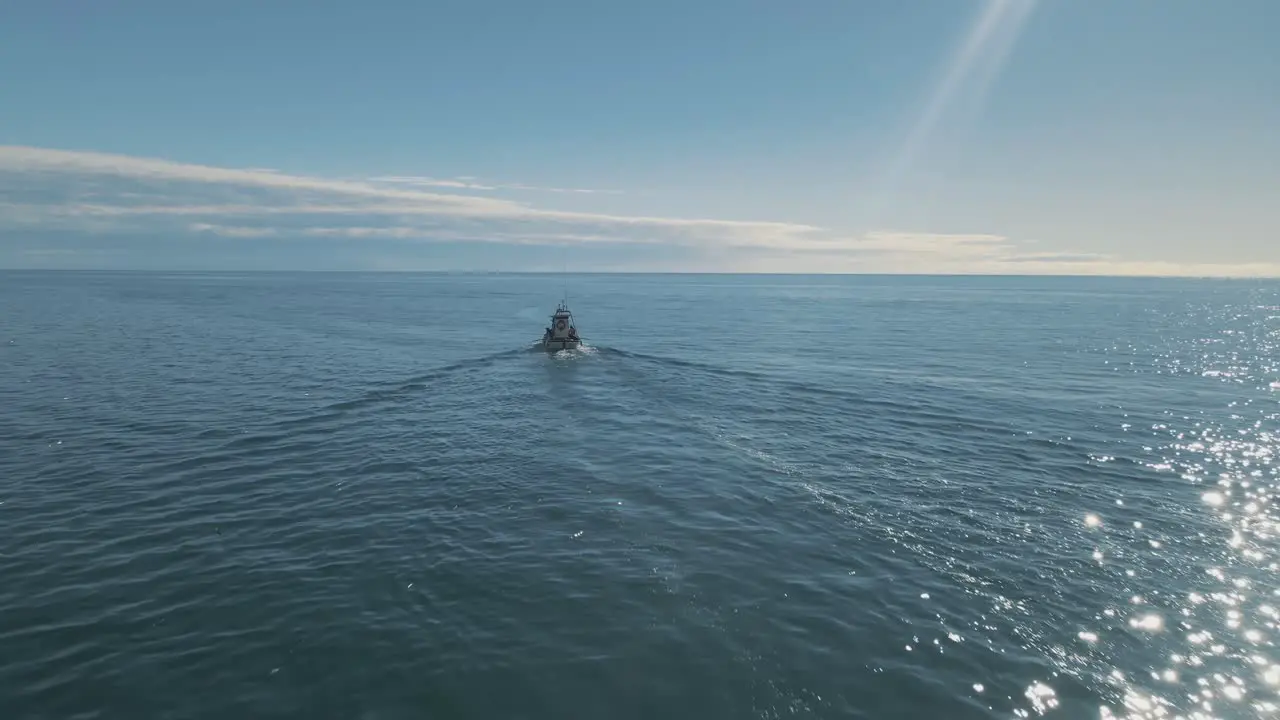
<point>369,497</point>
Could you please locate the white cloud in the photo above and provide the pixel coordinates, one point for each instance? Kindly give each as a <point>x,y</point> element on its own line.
<point>469,183</point>
<point>407,233</point>
<point>233,232</point>
<point>431,182</point>
<point>89,185</point>
<point>29,161</point>
<point>91,193</point>
<point>581,191</point>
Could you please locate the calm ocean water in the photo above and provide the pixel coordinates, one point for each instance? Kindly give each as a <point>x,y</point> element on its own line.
<point>367,497</point>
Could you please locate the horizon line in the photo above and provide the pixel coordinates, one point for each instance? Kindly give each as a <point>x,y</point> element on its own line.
<point>296,271</point>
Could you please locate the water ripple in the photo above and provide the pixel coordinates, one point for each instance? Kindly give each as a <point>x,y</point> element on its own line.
<point>255,495</point>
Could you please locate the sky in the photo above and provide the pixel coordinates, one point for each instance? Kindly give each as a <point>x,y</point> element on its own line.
<point>863,136</point>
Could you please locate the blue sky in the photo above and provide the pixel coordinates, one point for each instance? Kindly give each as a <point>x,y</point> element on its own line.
<point>987,136</point>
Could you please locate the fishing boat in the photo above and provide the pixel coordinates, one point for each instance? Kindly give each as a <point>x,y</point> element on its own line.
<point>562,335</point>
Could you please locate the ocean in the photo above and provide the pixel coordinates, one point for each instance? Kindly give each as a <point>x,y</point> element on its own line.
<point>371,497</point>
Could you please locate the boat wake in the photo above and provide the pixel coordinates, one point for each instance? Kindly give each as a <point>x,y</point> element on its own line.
<point>379,394</point>
<point>583,350</point>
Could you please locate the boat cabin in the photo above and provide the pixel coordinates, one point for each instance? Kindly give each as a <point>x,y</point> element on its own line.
<point>562,328</point>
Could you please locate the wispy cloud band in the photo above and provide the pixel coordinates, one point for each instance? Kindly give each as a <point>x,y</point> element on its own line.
<point>93,193</point>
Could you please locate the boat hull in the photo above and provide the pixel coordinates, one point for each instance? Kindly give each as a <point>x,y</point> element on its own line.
<point>558,345</point>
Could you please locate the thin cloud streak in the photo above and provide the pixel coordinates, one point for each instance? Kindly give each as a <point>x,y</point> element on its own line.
<point>20,159</point>
<point>430,182</point>
<point>469,184</point>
